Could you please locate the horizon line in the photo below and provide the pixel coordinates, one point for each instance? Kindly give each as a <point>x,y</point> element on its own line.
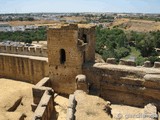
<point>81,12</point>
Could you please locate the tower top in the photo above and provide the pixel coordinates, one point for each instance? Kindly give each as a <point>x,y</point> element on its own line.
<point>72,26</point>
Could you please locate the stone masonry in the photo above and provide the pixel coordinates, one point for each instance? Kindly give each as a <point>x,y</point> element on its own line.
<point>69,47</point>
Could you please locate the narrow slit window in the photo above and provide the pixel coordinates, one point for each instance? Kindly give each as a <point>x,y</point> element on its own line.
<point>84,37</point>
<point>62,56</point>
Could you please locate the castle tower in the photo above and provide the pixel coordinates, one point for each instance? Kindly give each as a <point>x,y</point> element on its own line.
<point>68,47</point>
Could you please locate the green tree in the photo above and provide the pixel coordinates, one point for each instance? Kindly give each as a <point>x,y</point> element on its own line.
<point>147,46</point>
<point>111,43</point>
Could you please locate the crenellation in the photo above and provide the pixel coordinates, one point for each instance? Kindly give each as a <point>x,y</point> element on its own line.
<point>32,51</point>
<point>14,49</point>
<point>38,51</point>
<point>24,50</point>
<point>156,64</point>
<point>3,48</point>
<point>127,62</point>
<point>111,60</point>
<point>20,49</point>
<point>44,52</point>
<point>147,64</point>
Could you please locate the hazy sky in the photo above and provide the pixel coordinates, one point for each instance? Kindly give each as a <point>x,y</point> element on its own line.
<point>21,6</point>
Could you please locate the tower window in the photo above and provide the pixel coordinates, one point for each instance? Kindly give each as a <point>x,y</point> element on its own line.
<point>84,37</point>
<point>62,56</point>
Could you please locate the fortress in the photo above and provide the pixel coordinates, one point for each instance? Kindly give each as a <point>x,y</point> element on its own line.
<point>70,65</point>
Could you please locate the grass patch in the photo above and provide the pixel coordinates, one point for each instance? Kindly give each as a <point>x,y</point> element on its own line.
<point>134,53</point>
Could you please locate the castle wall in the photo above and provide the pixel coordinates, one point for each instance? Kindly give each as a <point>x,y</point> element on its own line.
<point>122,84</point>
<point>30,51</point>
<point>25,68</point>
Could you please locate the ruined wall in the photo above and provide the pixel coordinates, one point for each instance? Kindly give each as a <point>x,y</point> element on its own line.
<point>71,108</point>
<point>123,84</point>
<point>30,51</point>
<point>25,68</point>
<point>43,96</point>
<point>89,32</point>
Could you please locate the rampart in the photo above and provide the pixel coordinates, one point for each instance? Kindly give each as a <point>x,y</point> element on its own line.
<point>22,67</point>
<point>124,83</point>
<point>20,50</point>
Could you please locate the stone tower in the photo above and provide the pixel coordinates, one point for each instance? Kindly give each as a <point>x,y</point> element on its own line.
<point>69,47</point>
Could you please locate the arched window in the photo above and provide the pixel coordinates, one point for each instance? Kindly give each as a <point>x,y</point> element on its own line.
<point>62,56</point>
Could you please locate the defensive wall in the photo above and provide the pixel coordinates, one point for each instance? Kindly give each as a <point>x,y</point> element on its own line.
<point>125,83</point>
<point>24,50</point>
<point>22,67</point>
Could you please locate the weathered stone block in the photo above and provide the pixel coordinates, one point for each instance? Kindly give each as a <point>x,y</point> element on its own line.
<point>111,60</point>
<point>127,62</point>
<point>156,64</point>
<point>81,83</point>
<point>147,64</point>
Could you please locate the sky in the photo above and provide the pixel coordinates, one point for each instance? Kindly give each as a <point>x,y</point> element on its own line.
<point>31,6</point>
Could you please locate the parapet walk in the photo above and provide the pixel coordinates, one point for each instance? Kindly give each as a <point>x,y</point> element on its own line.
<point>30,51</point>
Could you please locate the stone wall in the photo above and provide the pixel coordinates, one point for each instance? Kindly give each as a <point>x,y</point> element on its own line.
<point>89,32</point>
<point>43,100</point>
<point>65,39</point>
<point>123,84</point>
<point>71,108</point>
<point>21,67</point>
<point>30,51</point>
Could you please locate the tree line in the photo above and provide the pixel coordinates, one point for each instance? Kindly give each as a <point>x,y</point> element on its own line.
<point>117,43</point>
<point>26,36</point>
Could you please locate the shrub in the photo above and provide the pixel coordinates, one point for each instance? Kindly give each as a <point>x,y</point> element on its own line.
<point>140,60</point>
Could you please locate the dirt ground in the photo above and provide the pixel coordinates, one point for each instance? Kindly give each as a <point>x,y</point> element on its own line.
<point>91,107</point>
<point>61,104</point>
<point>38,22</point>
<point>15,99</point>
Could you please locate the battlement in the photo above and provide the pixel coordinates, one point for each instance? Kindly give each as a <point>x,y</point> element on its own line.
<point>146,64</point>
<point>72,26</point>
<point>30,51</point>
<point>65,27</point>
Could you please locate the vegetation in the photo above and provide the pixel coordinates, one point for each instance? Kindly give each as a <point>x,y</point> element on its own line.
<point>119,44</point>
<point>24,36</point>
<point>17,19</point>
<point>150,18</point>
<point>111,43</point>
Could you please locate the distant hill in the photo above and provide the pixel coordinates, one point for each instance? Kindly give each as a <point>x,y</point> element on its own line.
<point>136,25</point>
